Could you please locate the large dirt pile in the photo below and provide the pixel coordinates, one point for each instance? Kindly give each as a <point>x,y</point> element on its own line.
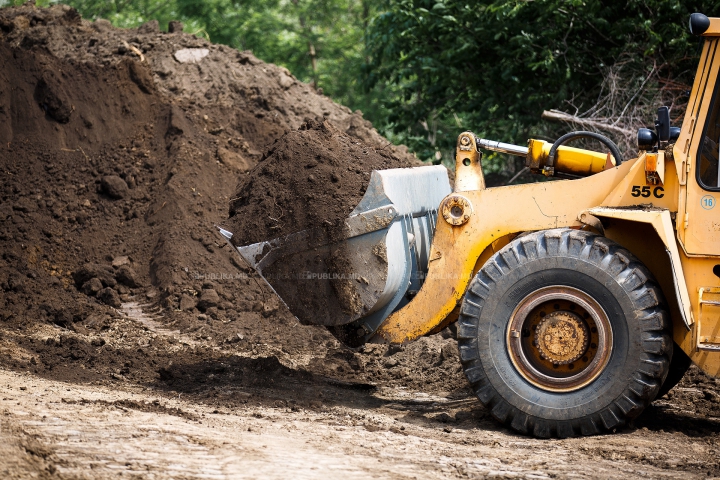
<point>120,150</point>
<point>129,143</point>
<point>309,178</point>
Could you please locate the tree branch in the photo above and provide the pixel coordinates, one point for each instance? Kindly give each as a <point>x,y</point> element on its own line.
<point>558,116</point>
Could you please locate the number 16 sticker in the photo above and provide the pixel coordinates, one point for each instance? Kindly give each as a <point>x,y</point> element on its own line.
<point>708,202</point>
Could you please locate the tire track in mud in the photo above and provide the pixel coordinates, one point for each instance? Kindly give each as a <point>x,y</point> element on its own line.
<point>140,313</point>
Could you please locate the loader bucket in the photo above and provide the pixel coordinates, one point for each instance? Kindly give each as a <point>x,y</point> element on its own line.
<point>365,269</point>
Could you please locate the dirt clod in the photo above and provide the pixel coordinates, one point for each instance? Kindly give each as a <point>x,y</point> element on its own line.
<point>109,297</point>
<point>187,302</point>
<point>208,299</point>
<point>127,276</point>
<point>92,287</point>
<point>175,27</point>
<point>114,187</point>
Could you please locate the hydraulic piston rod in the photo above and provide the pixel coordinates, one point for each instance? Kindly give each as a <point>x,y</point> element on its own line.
<point>502,147</point>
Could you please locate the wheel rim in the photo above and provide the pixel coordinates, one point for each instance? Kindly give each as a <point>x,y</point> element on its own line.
<point>559,338</point>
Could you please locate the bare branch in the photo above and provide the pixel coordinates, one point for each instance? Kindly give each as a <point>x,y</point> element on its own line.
<point>524,170</point>
<point>634,96</point>
<point>627,100</point>
<point>558,116</point>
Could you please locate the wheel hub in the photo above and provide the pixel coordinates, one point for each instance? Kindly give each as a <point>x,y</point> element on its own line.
<point>562,337</point>
<point>559,338</point>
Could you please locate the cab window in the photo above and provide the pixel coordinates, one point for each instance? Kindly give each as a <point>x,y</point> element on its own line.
<point>708,174</point>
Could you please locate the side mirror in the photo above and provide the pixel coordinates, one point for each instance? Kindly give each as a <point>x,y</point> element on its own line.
<point>662,124</point>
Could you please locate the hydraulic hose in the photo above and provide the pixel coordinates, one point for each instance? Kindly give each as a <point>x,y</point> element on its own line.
<point>550,165</point>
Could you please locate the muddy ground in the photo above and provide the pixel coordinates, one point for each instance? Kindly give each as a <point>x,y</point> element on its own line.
<point>132,343</point>
<point>254,411</point>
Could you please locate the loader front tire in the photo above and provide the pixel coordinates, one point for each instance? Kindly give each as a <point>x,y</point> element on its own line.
<point>564,333</point>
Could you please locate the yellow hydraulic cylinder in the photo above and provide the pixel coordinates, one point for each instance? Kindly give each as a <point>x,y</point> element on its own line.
<point>569,160</point>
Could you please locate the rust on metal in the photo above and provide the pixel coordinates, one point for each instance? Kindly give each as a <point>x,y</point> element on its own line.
<point>456,209</point>
<point>562,337</point>
<point>565,338</point>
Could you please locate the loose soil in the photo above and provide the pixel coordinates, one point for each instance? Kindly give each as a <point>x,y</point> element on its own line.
<point>118,161</point>
<point>308,179</point>
<point>134,343</point>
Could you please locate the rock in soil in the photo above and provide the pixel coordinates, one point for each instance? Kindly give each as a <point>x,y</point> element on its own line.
<point>114,187</point>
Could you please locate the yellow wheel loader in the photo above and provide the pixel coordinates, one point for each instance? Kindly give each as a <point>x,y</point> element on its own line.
<point>577,301</point>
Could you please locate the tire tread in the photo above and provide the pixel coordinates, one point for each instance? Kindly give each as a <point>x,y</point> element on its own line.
<point>650,313</point>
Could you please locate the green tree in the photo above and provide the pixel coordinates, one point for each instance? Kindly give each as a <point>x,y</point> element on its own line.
<point>494,66</point>
<point>320,41</point>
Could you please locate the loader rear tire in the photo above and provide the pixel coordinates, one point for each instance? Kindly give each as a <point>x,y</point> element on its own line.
<point>564,333</point>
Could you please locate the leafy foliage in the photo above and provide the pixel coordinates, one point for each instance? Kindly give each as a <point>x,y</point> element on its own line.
<point>494,66</point>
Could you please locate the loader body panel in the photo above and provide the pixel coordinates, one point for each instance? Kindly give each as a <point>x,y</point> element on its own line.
<point>696,153</point>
